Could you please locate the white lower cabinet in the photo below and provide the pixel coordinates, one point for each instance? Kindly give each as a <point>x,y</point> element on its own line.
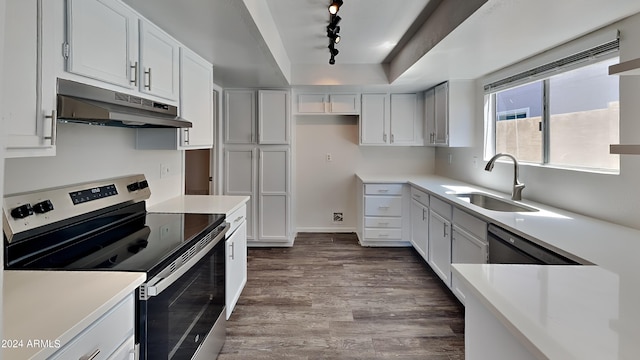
<point>468,245</point>
<point>439,256</point>
<point>383,215</point>
<point>236,262</point>
<point>105,338</point>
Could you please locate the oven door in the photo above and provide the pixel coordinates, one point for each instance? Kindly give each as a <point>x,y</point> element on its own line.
<point>177,318</point>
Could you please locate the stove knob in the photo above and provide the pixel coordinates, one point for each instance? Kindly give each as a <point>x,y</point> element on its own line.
<point>133,186</point>
<point>22,211</point>
<point>43,207</point>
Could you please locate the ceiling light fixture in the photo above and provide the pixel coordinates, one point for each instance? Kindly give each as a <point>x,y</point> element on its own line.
<point>334,7</point>
<point>333,29</point>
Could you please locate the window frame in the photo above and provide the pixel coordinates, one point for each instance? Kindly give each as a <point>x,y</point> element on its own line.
<point>491,114</point>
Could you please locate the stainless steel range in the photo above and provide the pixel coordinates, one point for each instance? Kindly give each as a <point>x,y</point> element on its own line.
<point>103,225</point>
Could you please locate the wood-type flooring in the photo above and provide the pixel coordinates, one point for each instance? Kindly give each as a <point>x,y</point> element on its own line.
<point>329,298</point>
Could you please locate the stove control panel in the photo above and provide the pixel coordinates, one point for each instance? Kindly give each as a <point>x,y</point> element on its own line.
<point>31,210</point>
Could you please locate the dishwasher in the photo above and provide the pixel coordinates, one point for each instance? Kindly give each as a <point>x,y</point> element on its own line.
<point>506,247</point>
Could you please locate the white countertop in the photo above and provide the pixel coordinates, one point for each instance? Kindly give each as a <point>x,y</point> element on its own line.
<point>57,305</point>
<point>608,245</point>
<point>201,204</point>
<point>562,312</point>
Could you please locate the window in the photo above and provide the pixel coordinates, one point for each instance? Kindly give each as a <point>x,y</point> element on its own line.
<point>567,116</point>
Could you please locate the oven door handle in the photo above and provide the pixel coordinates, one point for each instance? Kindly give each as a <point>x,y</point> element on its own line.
<point>157,285</point>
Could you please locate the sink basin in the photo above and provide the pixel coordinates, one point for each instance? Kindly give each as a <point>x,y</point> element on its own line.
<point>489,202</point>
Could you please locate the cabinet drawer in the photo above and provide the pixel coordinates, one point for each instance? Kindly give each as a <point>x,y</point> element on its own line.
<point>420,196</point>
<point>470,223</point>
<point>382,222</point>
<point>236,218</point>
<point>106,335</point>
<point>382,206</point>
<point>126,351</point>
<point>383,234</point>
<point>383,189</point>
<point>441,207</point>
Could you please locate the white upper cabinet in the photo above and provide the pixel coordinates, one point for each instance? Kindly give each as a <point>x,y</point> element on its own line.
<point>449,113</point>
<point>240,116</point>
<point>273,117</point>
<point>109,42</point>
<point>394,119</point>
<point>196,100</point>
<point>374,121</point>
<point>102,41</point>
<point>158,62</point>
<point>340,104</point>
<point>28,86</point>
<point>406,120</point>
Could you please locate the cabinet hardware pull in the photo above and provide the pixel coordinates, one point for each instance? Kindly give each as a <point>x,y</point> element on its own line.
<point>186,136</point>
<point>383,207</point>
<point>383,190</point>
<point>135,74</point>
<point>384,137</point>
<point>383,235</point>
<point>383,223</point>
<point>239,218</point>
<point>92,356</point>
<point>54,127</point>
<point>148,85</point>
<point>392,139</point>
<point>233,253</point>
<point>423,211</point>
<point>445,230</point>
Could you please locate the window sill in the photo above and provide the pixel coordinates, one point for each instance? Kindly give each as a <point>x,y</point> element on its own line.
<point>565,168</point>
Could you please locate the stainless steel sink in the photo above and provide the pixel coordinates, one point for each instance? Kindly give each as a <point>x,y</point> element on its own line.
<point>490,202</point>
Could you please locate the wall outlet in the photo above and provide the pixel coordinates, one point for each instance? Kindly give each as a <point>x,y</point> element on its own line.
<point>338,217</point>
<point>164,170</point>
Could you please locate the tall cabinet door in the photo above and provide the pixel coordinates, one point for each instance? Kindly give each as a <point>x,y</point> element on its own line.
<point>273,193</point>
<point>240,117</point>
<point>159,62</point>
<point>28,86</point>
<point>240,179</point>
<point>273,117</point>
<point>374,121</point>
<point>441,111</point>
<point>103,41</point>
<point>404,127</point>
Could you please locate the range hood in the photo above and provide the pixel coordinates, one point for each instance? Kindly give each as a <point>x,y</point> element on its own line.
<point>81,103</point>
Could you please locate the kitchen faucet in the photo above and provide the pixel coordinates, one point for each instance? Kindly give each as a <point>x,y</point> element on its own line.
<point>516,193</point>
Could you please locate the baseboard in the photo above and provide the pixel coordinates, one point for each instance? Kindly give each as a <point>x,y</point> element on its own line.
<point>325,230</point>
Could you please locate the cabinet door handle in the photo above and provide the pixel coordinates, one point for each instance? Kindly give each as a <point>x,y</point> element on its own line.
<point>186,136</point>
<point>383,207</point>
<point>135,74</point>
<point>148,84</point>
<point>239,218</point>
<point>90,357</point>
<point>445,230</point>
<point>233,253</point>
<point>383,235</point>
<point>392,139</point>
<point>54,127</point>
<point>383,190</point>
<point>384,137</point>
<point>423,214</point>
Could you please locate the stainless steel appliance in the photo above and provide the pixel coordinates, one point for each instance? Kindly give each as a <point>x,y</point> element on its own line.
<point>104,225</point>
<point>85,104</point>
<point>506,247</point>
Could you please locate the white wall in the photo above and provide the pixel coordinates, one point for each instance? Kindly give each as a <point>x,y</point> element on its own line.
<point>614,198</point>
<point>86,153</point>
<point>323,187</point>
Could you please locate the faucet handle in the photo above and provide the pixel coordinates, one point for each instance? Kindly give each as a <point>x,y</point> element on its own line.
<point>517,191</point>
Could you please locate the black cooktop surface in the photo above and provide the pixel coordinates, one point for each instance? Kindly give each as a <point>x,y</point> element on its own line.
<point>126,240</point>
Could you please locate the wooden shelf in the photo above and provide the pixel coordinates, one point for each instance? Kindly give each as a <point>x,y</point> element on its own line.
<point>624,149</point>
<point>631,67</point>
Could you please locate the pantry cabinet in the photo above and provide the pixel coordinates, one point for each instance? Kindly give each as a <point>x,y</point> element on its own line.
<point>341,104</point>
<point>449,113</point>
<point>267,123</point>
<point>108,41</point>
<point>28,86</point>
<point>273,117</point>
<point>391,119</point>
<point>240,116</point>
